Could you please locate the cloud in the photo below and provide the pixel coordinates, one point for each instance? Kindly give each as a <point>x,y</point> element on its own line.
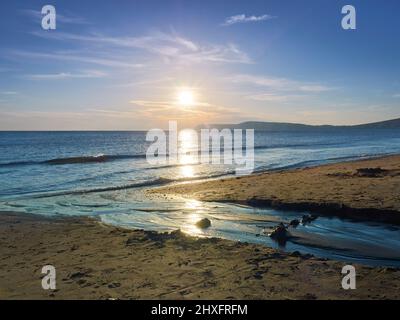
<point>242,18</point>
<point>172,105</point>
<point>170,47</point>
<point>271,97</point>
<point>36,15</point>
<point>103,61</point>
<point>396,95</point>
<point>314,88</point>
<point>30,114</point>
<point>66,75</point>
<point>196,114</point>
<point>144,83</point>
<point>260,80</point>
<point>279,84</point>
<point>9,93</point>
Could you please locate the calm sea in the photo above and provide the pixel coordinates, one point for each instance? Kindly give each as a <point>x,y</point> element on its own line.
<point>104,174</point>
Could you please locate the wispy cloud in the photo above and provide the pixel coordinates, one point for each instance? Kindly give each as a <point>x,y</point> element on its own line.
<point>242,18</point>
<point>171,47</point>
<point>171,105</point>
<point>61,18</point>
<point>271,97</point>
<point>279,84</point>
<point>314,88</point>
<point>199,112</point>
<point>66,75</point>
<point>260,80</point>
<point>46,114</point>
<point>9,93</point>
<point>108,62</point>
<point>144,83</point>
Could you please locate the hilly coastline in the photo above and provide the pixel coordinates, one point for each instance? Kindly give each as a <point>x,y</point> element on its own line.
<point>286,126</point>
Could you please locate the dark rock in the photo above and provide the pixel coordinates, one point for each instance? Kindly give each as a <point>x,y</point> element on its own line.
<point>308,218</point>
<point>295,254</point>
<point>77,275</point>
<point>371,172</point>
<point>203,223</point>
<point>294,223</point>
<point>279,233</point>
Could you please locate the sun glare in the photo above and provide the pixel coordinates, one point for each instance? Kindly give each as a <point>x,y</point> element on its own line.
<point>186,97</point>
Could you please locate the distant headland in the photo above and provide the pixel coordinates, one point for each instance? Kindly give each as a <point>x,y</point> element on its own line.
<point>286,126</point>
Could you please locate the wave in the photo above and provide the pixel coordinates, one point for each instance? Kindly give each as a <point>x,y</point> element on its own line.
<point>19,163</point>
<point>155,182</point>
<point>75,160</point>
<point>159,181</point>
<point>88,159</point>
<point>113,157</point>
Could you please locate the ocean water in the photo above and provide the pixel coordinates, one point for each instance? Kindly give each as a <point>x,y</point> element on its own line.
<point>105,174</point>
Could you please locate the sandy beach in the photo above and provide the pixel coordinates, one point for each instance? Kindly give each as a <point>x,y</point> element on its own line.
<point>365,189</point>
<point>98,261</point>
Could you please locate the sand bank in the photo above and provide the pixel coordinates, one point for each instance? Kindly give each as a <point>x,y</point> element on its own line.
<point>96,261</point>
<point>367,189</point>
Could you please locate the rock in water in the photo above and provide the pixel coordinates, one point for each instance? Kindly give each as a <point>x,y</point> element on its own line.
<point>294,223</point>
<point>308,218</point>
<point>203,223</point>
<point>279,233</point>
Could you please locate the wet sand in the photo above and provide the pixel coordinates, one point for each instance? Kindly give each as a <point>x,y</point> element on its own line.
<point>97,261</point>
<point>365,189</point>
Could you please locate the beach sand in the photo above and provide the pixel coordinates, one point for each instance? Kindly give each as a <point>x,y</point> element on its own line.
<point>344,189</point>
<point>97,261</point>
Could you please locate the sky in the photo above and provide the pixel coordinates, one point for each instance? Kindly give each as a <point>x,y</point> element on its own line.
<point>125,65</point>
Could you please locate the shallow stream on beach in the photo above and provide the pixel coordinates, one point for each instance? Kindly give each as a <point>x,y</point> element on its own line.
<point>328,237</point>
<point>104,174</point>
<point>369,243</point>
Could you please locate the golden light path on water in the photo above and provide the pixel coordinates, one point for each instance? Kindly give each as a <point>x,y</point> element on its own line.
<point>195,209</point>
<point>188,153</point>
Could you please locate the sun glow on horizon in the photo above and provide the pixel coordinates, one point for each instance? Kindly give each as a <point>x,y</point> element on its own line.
<point>186,97</point>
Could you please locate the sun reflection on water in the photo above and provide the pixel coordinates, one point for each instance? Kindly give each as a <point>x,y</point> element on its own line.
<point>193,204</point>
<point>188,152</point>
<point>194,210</point>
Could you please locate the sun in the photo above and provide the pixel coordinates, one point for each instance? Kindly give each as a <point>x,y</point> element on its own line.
<point>186,97</point>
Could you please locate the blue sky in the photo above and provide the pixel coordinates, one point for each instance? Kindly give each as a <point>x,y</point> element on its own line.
<point>123,64</point>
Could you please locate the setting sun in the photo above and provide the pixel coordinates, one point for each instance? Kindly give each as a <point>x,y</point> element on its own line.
<point>186,97</point>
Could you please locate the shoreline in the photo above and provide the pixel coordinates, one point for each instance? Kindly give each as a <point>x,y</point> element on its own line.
<point>98,261</point>
<point>344,189</point>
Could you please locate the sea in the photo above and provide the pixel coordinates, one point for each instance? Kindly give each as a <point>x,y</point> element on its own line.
<point>105,174</point>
